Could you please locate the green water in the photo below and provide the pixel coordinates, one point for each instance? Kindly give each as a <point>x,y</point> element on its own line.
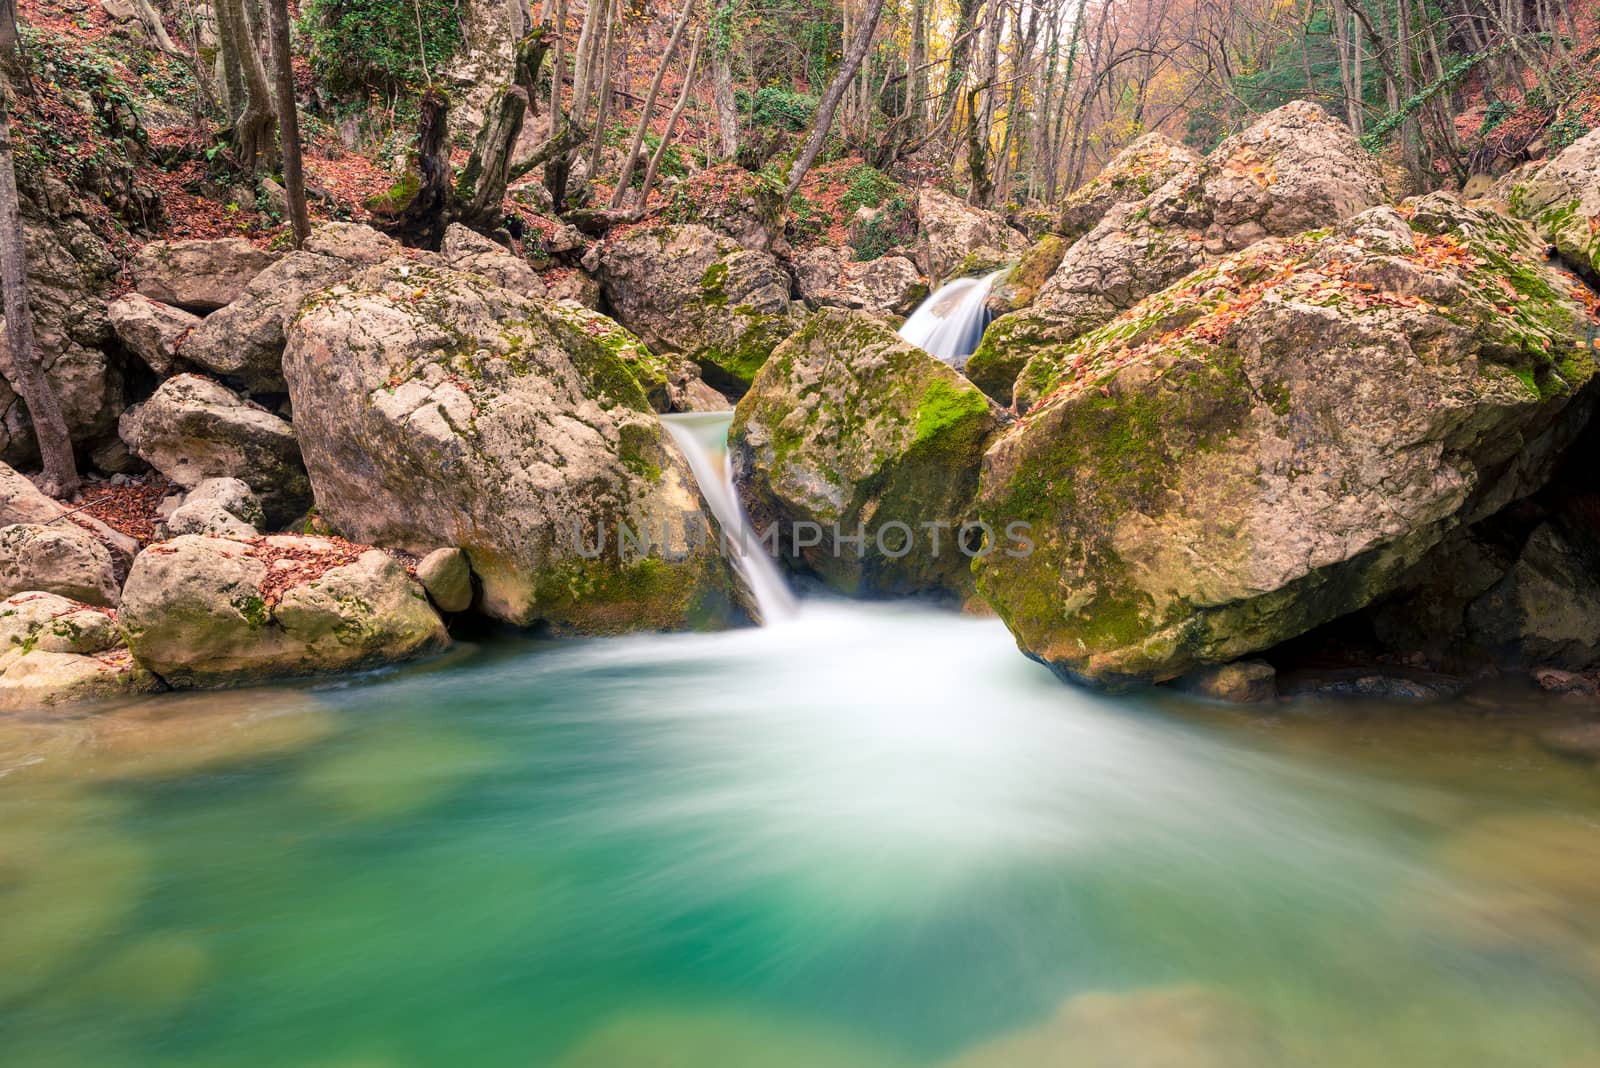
<point>871,837</point>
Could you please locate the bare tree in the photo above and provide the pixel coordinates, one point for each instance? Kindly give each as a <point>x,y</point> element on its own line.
<point>835,92</point>
<point>672,123</point>
<point>625,179</point>
<point>294,179</point>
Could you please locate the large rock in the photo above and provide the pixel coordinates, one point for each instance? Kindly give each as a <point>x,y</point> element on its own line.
<point>192,429</point>
<point>198,275</point>
<point>200,611</point>
<point>22,502</point>
<point>684,289</point>
<point>1295,168</point>
<point>220,507</point>
<point>38,679</point>
<point>955,238</point>
<point>827,277</point>
<point>153,331</point>
<point>244,341</point>
<point>850,430</point>
<point>479,418</point>
<point>468,250</point>
<point>1272,443</point>
<point>1546,608</point>
<point>51,623</point>
<point>352,242</point>
<point>1562,200</point>
<point>56,558</point>
<point>1132,174</point>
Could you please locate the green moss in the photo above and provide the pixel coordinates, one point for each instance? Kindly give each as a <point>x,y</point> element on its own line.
<point>254,610</point>
<point>712,284</point>
<point>944,406</point>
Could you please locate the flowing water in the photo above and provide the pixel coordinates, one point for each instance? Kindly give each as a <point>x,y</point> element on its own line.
<point>950,323</point>
<point>873,836</point>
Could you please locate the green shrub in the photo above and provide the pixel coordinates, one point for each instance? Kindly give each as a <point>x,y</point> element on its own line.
<point>1566,130</point>
<point>1493,115</point>
<point>786,110</point>
<point>868,188</point>
<point>372,44</point>
<point>893,227</point>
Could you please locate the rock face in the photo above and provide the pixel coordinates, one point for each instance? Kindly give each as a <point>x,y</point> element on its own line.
<point>1562,200</point>
<point>192,429</point>
<point>351,242</point>
<point>467,250</point>
<point>201,611</point>
<point>1018,287</point>
<point>152,330</point>
<point>887,286</point>
<point>482,419</point>
<point>684,289</point>
<point>848,426</point>
<point>244,341</point>
<point>1294,169</point>
<point>56,558</point>
<point>1546,608</point>
<point>1133,174</point>
<point>953,237</point>
<point>198,275</point>
<point>1271,443</point>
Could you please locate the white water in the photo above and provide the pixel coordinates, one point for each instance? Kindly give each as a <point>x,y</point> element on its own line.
<point>950,323</point>
<point>703,437</point>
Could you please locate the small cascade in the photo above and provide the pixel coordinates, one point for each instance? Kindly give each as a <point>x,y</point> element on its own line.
<point>703,437</point>
<point>950,323</point>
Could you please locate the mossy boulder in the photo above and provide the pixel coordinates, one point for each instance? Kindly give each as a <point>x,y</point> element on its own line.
<point>955,238</point>
<point>1274,441</point>
<point>1131,175</point>
<point>1562,200</point>
<point>687,290</point>
<point>201,611</point>
<point>435,409</point>
<point>851,432</point>
<point>1021,284</point>
<point>54,650</point>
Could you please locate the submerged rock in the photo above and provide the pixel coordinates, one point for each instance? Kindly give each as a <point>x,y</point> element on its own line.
<point>1242,682</point>
<point>686,290</point>
<point>201,611</point>
<point>851,431</point>
<point>1271,443</point>
<point>475,417</point>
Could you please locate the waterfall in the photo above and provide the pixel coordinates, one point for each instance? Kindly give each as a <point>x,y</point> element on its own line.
<point>703,437</point>
<point>950,323</point>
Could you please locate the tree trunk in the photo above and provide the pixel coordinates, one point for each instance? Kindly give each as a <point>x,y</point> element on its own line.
<point>672,123</point>
<point>602,110</point>
<point>722,80</point>
<point>830,99</point>
<point>230,70</point>
<point>625,178</point>
<point>253,132</point>
<point>25,370</point>
<point>421,219</point>
<point>294,179</point>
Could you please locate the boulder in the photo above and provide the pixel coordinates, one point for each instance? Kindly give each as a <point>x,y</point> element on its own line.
<point>850,431</point>
<point>468,250</point>
<point>447,576</point>
<point>1295,168</point>
<point>954,238</point>
<point>733,202</point>
<point>192,429</point>
<point>51,623</point>
<point>352,242</point>
<point>1018,287</point>
<point>197,274</point>
<point>220,507</point>
<point>686,290</point>
<point>1242,682</point>
<point>38,679</point>
<point>22,502</point>
<point>652,372</point>
<point>1273,442</point>
<point>1546,608</point>
<point>494,422</point>
<point>1133,174</point>
<point>688,392</point>
<point>202,611</point>
<point>827,277</point>
<point>56,558</point>
<point>244,341</point>
<point>1562,199</point>
<point>152,331</point>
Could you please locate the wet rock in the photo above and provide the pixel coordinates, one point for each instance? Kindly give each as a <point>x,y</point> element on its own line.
<point>198,275</point>
<point>1269,444</point>
<point>1132,175</point>
<point>851,427</point>
<point>152,331</point>
<point>954,238</point>
<point>688,392</point>
<point>889,285</point>
<point>193,429</point>
<point>196,610</point>
<point>1377,685</point>
<point>686,290</point>
<point>1018,287</point>
<point>57,558</point>
<point>500,424</point>
<point>467,250</point>
<point>447,576</point>
<point>1555,680</point>
<point>1243,682</point>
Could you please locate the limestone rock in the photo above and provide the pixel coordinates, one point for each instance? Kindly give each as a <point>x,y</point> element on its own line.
<point>39,679</point>
<point>244,341</point>
<point>192,429</point>
<point>1242,682</point>
<point>1546,610</point>
<point>51,623</point>
<point>221,507</point>
<point>955,238</point>
<point>498,423</point>
<point>152,330</point>
<point>688,392</point>
<point>1275,440</point>
<point>1562,200</point>
<point>686,290</point>
<point>1131,175</point>
<point>22,502</point>
<point>447,576</point>
<point>1018,287</point>
<point>56,558</point>
<point>468,250</point>
<point>198,275</point>
<point>201,611</point>
<point>889,285</point>
<point>352,242</point>
<point>849,425</point>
